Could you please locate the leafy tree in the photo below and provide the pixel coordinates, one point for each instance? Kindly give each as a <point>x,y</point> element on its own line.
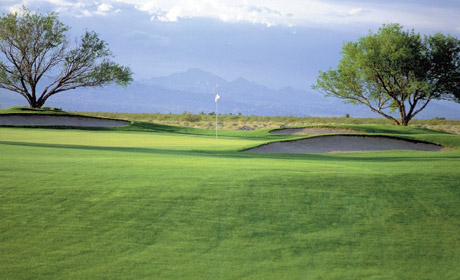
<point>37,60</point>
<point>395,70</point>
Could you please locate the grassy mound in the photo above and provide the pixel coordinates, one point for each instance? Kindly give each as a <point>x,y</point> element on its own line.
<point>36,111</point>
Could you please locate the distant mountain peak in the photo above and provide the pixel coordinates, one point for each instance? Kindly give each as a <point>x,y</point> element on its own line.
<point>193,80</point>
<point>197,71</point>
<point>240,80</point>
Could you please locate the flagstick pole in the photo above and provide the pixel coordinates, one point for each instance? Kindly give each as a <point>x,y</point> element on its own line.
<point>216,119</point>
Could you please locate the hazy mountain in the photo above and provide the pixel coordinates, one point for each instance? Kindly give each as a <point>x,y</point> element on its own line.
<point>194,91</point>
<point>193,80</point>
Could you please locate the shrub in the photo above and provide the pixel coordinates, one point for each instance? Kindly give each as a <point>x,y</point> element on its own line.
<point>191,118</point>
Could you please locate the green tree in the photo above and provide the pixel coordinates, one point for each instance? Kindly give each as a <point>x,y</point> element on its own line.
<point>395,70</point>
<point>37,60</point>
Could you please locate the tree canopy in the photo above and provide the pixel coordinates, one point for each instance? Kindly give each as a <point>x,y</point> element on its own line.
<point>37,60</point>
<point>395,70</point>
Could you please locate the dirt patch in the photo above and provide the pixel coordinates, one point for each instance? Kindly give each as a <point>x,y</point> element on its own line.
<point>56,120</point>
<point>245,127</point>
<point>344,144</point>
<point>315,131</point>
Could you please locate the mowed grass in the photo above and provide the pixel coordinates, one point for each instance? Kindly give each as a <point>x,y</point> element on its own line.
<point>158,202</point>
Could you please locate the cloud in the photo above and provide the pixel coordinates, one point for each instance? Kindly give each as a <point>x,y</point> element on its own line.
<point>104,8</point>
<point>227,11</point>
<point>358,11</point>
<point>82,8</point>
<point>172,15</point>
<point>330,13</point>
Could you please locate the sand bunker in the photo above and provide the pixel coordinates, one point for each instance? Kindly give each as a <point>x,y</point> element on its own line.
<point>56,120</point>
<point>315,131</point>
<point>344,144</point>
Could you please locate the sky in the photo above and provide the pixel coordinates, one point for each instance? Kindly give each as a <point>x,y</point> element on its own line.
<point>272,42</point>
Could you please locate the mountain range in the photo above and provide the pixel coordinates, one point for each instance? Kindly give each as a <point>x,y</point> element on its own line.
<point>194,91</point>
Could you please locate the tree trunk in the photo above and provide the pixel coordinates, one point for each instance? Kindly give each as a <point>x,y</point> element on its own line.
<point>35,104</point>
<point>405,117</point>
<point>405,121</point>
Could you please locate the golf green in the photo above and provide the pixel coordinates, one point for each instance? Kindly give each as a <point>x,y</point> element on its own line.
<point>159,202</point>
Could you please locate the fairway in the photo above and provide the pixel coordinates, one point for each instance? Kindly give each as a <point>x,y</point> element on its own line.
<point>161,202</point>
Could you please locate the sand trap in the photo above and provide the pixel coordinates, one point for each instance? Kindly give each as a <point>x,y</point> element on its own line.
<point>56,120</point>
<point>315,131</point>
<point>344,144</point>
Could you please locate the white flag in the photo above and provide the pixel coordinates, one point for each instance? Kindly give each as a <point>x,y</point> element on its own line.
<point>217,98</point>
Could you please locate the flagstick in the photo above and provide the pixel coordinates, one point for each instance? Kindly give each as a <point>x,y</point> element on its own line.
<point>215,100</point>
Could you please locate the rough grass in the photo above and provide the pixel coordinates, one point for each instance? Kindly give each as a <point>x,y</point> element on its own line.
<point>236,122</point>
<point>240,122</point>
<point>162,202</point>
